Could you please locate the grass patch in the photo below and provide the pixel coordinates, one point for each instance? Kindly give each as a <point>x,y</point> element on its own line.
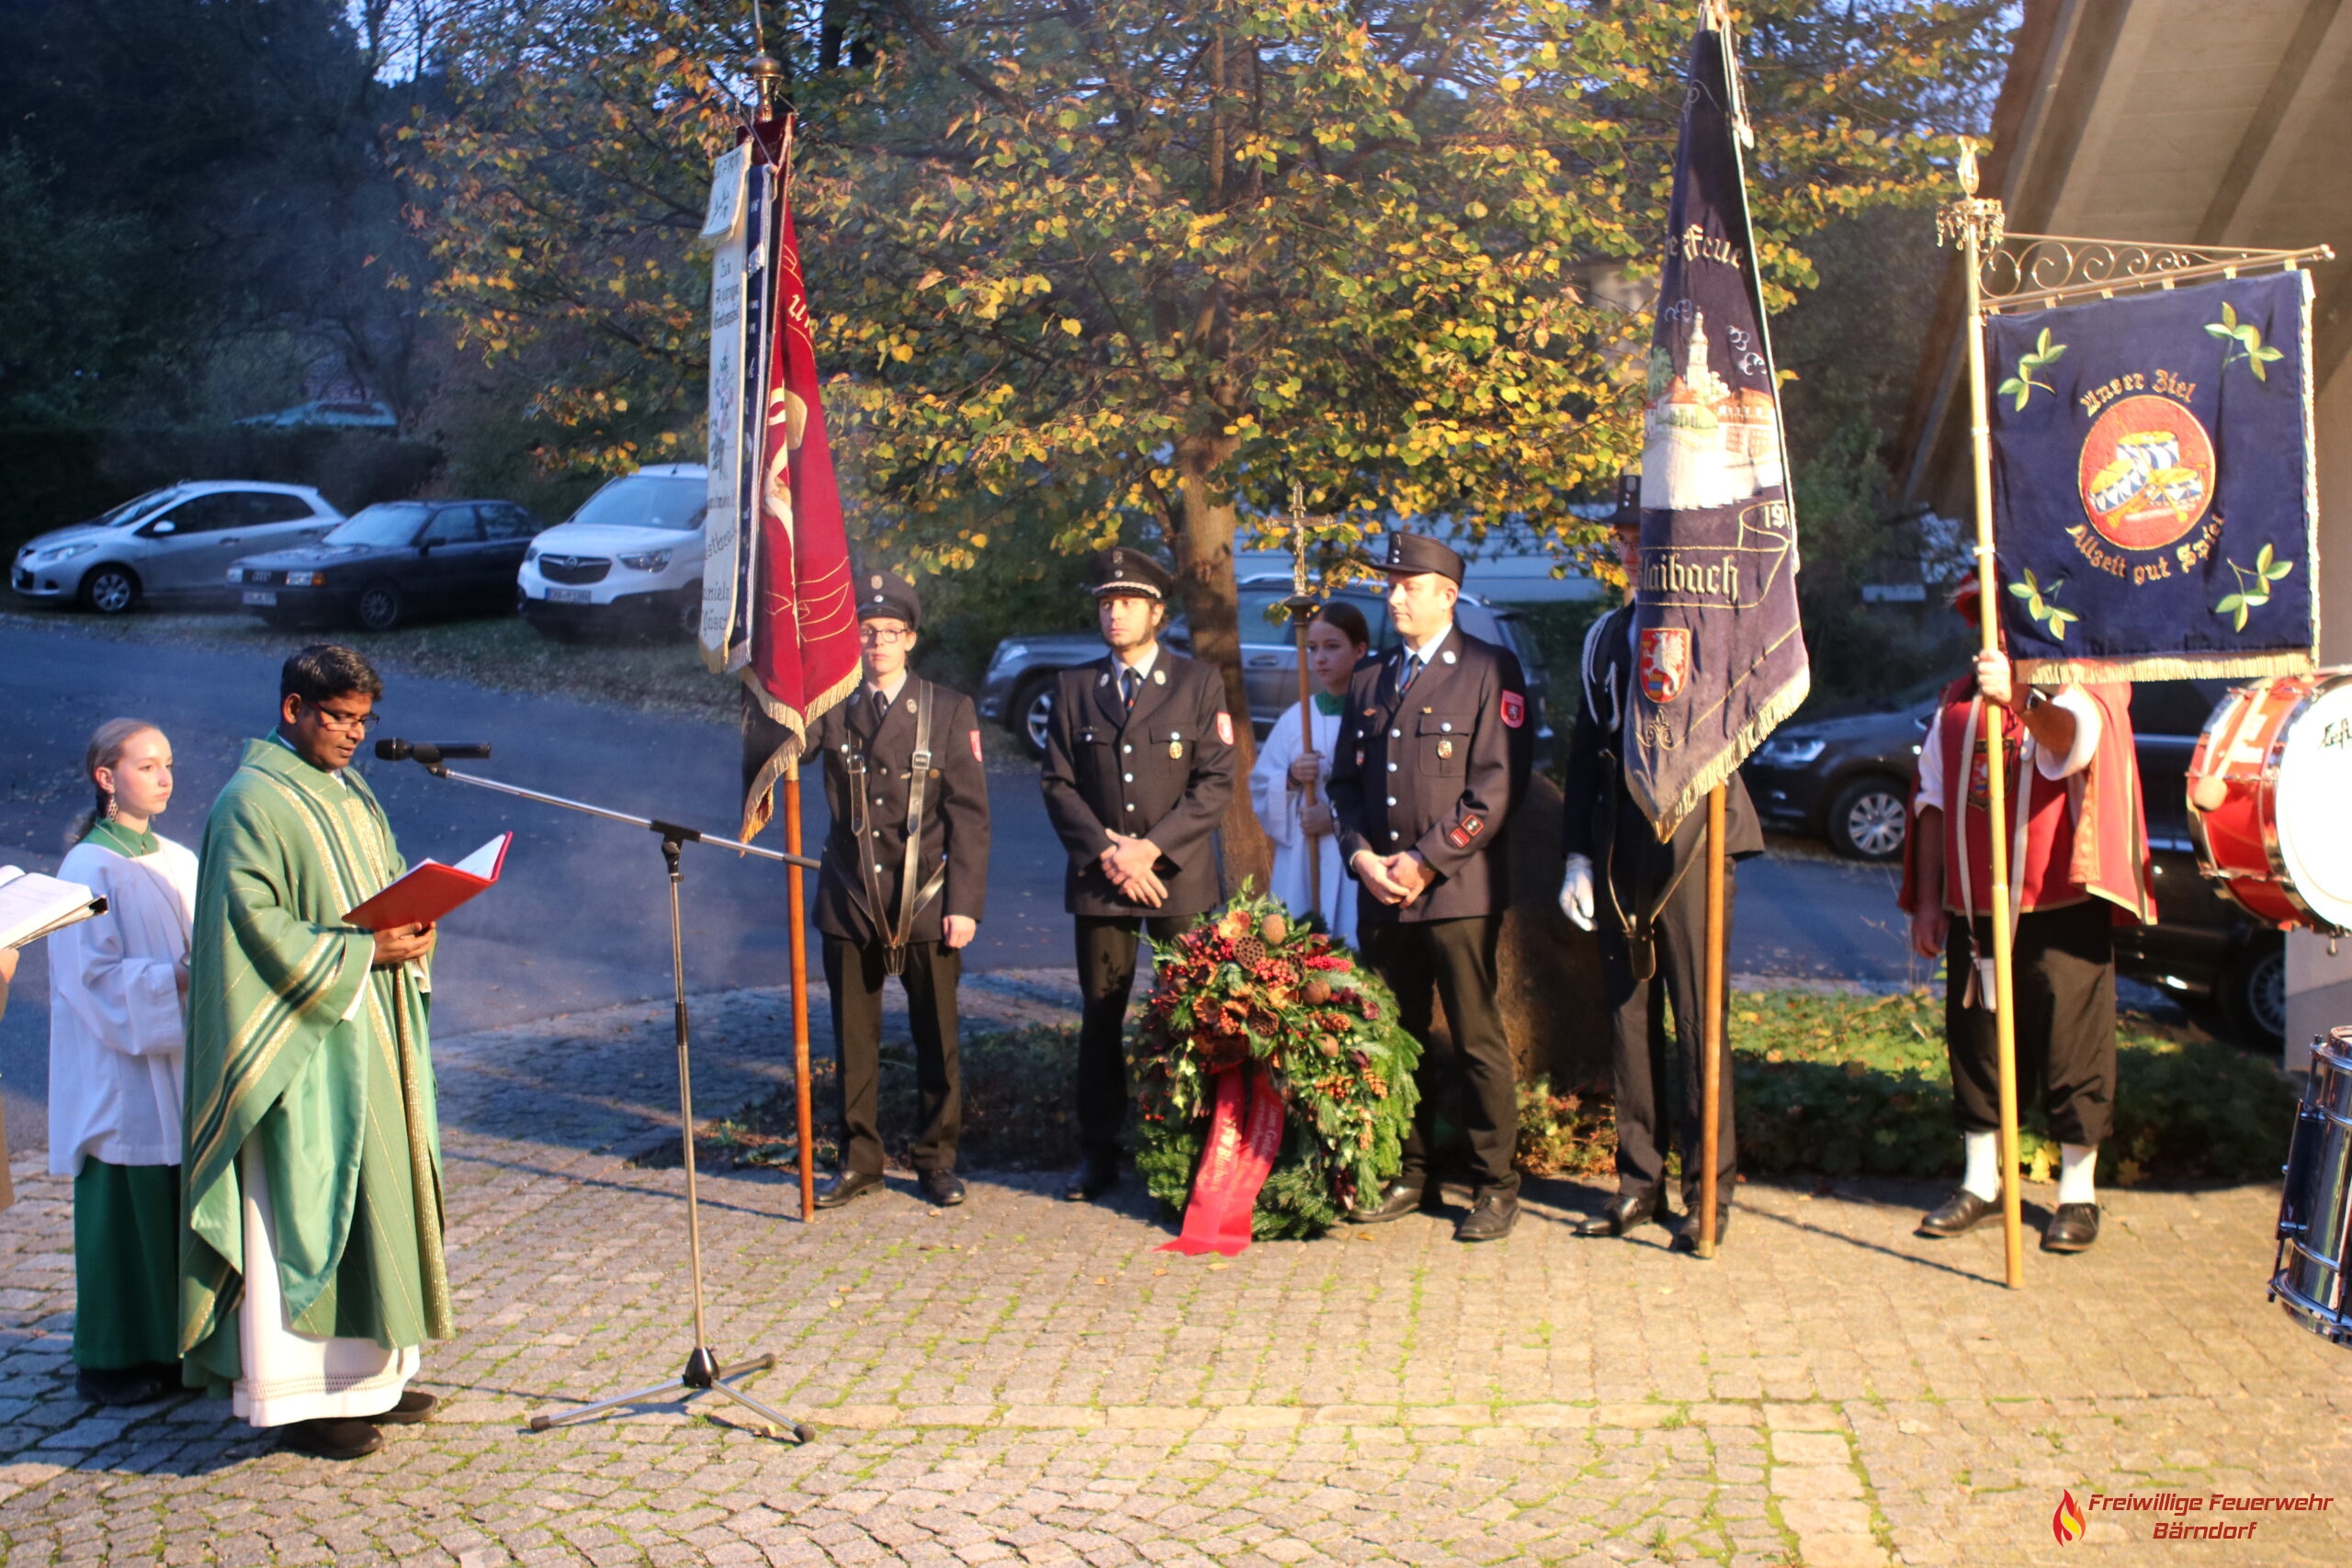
<point>1835,1086</point>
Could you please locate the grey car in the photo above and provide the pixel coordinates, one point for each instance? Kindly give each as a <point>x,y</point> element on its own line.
<point>178,542</point>
<point>1019,690</point>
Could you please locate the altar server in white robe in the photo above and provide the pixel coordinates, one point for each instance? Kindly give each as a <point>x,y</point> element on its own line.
<point>117,989</point>
<point>1337,640</point>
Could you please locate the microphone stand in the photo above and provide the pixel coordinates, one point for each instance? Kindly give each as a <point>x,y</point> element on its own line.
<point>704,1372</point>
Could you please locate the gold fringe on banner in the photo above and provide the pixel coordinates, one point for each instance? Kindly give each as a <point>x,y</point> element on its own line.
<point>2165,667</point>
<point>1758,727</point>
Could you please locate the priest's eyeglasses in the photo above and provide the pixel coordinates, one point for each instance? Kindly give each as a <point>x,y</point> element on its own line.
<point>342,721</point>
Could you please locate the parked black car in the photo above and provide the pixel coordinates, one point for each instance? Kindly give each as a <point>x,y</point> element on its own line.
<point>1849,780</point>
<point>1019,688</point>
<point>393,562</point>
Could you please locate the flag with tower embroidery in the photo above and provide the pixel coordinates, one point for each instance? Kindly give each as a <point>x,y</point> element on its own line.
<point>1719,653</point>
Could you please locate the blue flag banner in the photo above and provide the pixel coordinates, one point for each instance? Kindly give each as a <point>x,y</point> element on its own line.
<point>2155,496</point>
<point>1719,650</point>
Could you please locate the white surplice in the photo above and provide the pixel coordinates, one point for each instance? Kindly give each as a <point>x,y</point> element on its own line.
<point>1277,800</point>
<point>116,1028</point>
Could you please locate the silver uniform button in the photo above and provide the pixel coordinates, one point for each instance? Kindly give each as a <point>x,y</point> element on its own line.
<point>1131,806</point>
<point>1391,800</point>
<point>1129,777</point>
<point>1396,734</point>
<point>1392,767</point>
<point>1446,727</point>
<point>1126,747</point>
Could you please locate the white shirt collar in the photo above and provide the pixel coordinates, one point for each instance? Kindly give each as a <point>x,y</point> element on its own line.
<point>1142,667</point>
<point>1427,652</point>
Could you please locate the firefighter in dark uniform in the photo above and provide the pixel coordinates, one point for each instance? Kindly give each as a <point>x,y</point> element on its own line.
<point>896,899</point>
<point>1139,766</point>
<point>1652,923</point>
<point>1432,755</point>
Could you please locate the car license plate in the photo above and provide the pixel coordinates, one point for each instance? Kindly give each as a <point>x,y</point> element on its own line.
<point>260,596</point>
<point>571,596</point>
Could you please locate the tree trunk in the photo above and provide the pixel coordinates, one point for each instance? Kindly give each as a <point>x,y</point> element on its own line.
<point>1213,604</point>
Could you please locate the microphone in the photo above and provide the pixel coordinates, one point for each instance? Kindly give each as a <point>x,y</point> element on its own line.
<point>432,754</point>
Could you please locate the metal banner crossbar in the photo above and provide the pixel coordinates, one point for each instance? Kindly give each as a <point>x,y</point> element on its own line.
<point>2020,272</point>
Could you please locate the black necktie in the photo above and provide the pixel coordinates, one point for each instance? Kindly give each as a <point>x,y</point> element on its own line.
<point>1130,683</point>
<point>881,707</point>
<point>1412,671</point>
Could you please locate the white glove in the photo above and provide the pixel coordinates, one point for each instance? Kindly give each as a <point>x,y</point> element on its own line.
<point>1575,892</point>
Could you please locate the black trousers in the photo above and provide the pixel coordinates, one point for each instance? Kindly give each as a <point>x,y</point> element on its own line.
<point>1106,977</point>
<point>854,974</point>
<point>1658,1070</point>
<point>2064,969</point>
<point>1452,962</point>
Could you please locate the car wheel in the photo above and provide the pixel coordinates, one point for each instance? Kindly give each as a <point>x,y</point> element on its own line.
<point>110,589</point>
<point>689,617</point>
<point>2253,994</point>
<point>1868,820</point>
<point>380,607</point>
<point>1032,711</point>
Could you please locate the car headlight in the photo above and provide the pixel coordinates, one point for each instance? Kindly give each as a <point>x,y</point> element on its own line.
<point>1791,753</point>
<point>1007,655</point>
<point>656,560</point>
<point>236,574</point>
<point>56,553</point>
<point>306,580</point>
<point>530,555</point>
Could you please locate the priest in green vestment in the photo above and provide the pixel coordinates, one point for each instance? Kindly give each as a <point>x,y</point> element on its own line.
<point>312,1268</point>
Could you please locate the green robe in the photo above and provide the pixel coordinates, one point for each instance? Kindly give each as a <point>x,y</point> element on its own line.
<point>342,1109</point>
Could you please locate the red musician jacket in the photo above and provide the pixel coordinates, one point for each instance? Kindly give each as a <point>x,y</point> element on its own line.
<point>2082,834</point>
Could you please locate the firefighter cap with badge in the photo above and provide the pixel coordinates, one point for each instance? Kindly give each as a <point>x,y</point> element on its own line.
<point>1413,554</point>
<point>1124,570</point>
<point>886,596</point>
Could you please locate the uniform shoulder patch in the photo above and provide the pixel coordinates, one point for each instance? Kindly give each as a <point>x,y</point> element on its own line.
<point>1461,832</point>
<point>1225,727</point>
<point>1514,710</point>
<point>976,748</point>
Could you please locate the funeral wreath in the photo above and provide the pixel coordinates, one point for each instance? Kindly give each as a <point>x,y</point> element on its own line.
<point>1251,990</point>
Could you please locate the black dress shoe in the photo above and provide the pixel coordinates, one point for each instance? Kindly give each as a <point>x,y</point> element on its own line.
<point>1625,1211</point>
<point>1491,1217</point>
<point>941,1188</point>
<point>1687,1238</point>
<point>1963,1211</point>
<point>1096,1175</point>
<point>1398,1199</point>
<point>415,1405</point>
<point>121,1385</point>
<point>2072,1229</point>
<point>848,1185</point>
<point>334,1437</point>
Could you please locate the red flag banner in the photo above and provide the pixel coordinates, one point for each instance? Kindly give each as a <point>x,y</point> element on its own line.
<point>804,620</point>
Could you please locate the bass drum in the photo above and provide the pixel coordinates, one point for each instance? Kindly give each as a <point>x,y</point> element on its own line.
<point>2271,799</point>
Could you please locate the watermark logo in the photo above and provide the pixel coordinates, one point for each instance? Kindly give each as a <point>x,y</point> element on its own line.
<point>2066,1521</point>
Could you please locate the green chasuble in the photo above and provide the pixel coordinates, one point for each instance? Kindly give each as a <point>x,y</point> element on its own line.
<point>340,1103</point>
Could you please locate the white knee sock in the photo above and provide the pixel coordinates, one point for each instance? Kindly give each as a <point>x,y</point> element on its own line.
<point>2076,1164</point>
<point>1984,1177</point>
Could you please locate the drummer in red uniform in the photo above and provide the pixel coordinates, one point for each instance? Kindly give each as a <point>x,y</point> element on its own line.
<point>2078,866</point>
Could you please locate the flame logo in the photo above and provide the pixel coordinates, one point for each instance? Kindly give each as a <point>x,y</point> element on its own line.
<point>2066,1519</point>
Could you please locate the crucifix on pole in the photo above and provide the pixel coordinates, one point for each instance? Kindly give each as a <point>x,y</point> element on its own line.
<point>1301,605</point>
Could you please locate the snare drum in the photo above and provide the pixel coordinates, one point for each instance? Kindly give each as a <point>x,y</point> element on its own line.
<point>2271,799</point>
<point>2315,1209</point>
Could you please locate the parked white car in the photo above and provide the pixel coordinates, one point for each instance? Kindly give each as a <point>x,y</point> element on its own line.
<point>630,558</point>
<point>170,543</point>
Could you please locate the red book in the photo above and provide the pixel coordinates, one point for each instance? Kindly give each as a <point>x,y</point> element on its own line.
<point>431,890</point>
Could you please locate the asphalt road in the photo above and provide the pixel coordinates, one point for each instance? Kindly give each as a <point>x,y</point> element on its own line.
<point>581,918</point>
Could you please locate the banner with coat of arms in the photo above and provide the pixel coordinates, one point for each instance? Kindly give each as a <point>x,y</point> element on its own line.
<point>2155,491</point>
<point>1722,657</point>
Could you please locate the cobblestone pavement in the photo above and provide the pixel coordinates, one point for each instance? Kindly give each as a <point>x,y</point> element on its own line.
<point>1022,1380</point>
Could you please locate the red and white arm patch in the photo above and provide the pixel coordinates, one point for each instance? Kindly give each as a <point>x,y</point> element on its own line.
<point>1225,727</point>
<point>1461,832</point>
<point>1514,710</point>
<point>976,748</point>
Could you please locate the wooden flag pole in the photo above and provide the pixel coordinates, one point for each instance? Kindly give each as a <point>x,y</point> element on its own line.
<point>798,926</point>
<point>1976,224</point>
<point>1710,1073</point>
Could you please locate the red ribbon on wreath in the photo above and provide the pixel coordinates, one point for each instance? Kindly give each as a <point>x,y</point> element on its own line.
<point>1245,1134</point>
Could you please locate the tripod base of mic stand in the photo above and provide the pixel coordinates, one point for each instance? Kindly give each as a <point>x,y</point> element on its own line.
<point>703,1375</point>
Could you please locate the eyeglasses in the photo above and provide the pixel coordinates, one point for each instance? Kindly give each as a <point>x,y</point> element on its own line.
<point>884,637</point>
<point>345,721</point>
